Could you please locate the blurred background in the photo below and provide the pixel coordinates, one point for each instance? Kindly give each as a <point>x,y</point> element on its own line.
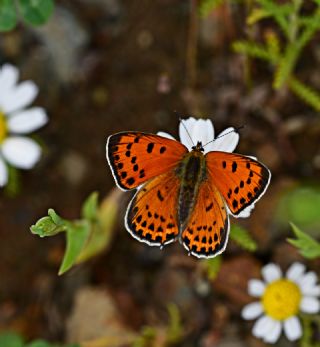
<point>104,66</point>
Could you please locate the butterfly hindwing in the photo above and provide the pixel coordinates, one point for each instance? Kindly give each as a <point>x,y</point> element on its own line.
<point>152,214</point>
<point>136,157</point>
<point>207,231</point>
<point>240,179</point>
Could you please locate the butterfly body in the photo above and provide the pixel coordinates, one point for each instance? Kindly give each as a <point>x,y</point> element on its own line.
<point>183,193</point>
<point>191,172</point>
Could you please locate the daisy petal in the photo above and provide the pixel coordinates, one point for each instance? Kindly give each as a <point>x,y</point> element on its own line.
<point>203,131</point>
<point>166,135</point>
<point>21,152</point>
<point>308,284</point>
<point>252,311</point>
<point>19,97</point>
<point>226,141</point>
<point>308,280</point>
<point>292,328</point>
<point>295,271</point>
<point>246,212</point>
<point>256,288</point>
<point>262,326</point>
<point>8,78</point>
<point>309,305</point>
<point>271,272</point>
<point>274,333</point>
<point>27,121</point>
<point>311,291</point>
<point>185,130</point>
<point>3,173</point>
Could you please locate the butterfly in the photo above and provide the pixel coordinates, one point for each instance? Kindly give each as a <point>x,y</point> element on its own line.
<point>185,190</point>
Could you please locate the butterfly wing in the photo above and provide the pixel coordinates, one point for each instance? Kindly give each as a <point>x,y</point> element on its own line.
<point>135,157</point>
<point>241,180</point>
<point>207,231</point>
<point>152,213</point>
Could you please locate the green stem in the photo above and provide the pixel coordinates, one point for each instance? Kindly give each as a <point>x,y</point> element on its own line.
<point>294,21</point>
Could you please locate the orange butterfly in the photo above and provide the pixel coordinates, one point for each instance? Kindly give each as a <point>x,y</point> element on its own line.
<point>185,191</point>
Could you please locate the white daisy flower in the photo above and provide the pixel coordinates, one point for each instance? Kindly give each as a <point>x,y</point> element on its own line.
<point>201,130</point>
<point>281,299</point>
<point>16,121</point>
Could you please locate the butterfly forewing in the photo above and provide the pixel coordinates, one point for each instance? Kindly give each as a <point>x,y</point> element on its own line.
<point>241,180</point>
<point>152,214</point>
<point>207,231</point>
<point>136,157</point>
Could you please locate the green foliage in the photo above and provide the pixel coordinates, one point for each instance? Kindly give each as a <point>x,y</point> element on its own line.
<point>49,225</point>
<point>307,94</point>
<point>77,234</point>
<point>242,237</point>
<point>36,12</point>
<point>251,49</point>
<point>8,15</point>
<point>175,329</point>
<point>310,326</point>
<point>307,246</point>
<point>10,339</point>
<point>301,205</point>
<point>213,266</point>
<point>146,338</point>
<point>33,12</point>
<point>298,29</point>
<point>84,237</point>
<point>13,186</point>
<point>90,207</point>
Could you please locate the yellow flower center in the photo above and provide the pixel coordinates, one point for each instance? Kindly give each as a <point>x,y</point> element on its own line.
<point>281,299</point>
<point>3,127</point>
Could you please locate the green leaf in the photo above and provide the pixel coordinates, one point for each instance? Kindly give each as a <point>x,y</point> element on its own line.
<point>305,93</point>
<point>307,246</point>
<point>279,12</point>
<point>13,187</point>
<point>251,49</point>
<point>9,339</point>
<point>39,343</point>
<point>8,15</point>
<point>36,12</point>
<point>213,266</point>
<point>90,206</point>
<point>146,338</point>
<point>49,225</point>
<point>77,235</point>
<point>102,228</point>
<point>174,330</point>
<point>242,237</point>
<point>256,15</point>
<point>286,66</point>
<point>273,45</point>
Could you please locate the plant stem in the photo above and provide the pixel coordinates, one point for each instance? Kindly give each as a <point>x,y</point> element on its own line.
<point>294,21</point>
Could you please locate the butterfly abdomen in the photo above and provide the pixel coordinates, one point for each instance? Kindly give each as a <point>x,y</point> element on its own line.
<point>191,171</point>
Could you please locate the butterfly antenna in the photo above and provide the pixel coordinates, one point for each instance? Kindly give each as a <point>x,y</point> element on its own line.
<point>229,132</point>
<point>185,128</point>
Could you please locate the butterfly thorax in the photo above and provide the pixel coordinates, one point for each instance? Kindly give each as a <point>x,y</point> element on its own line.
<point>192,172</point>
